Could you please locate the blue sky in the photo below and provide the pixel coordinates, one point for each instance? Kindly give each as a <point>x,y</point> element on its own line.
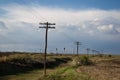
<point>94,23</point>
<point>75,4</point>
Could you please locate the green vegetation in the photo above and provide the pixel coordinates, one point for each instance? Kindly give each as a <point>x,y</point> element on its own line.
<point>83,60</point>
<point>66,73</point>
<point>109,55</point>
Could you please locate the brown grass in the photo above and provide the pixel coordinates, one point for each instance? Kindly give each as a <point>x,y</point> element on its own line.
<point>3,59</point>
<point>104,69</point>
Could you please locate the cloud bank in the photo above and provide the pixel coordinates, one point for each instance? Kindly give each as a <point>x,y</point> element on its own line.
<point>94,27</point>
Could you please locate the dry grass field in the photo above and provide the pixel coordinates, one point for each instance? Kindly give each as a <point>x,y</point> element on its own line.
<point>103,69</point>
<point>25,66</point>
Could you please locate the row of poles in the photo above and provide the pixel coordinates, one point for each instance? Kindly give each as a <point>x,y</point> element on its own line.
<point>47,26</point>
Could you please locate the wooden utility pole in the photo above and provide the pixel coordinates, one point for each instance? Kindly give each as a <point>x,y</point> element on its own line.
<point>64,50</point>
<point>46,26</point>
<point>88,49</point>
<point>77,43</point>
<point>56,51</point>
<point>93,52</point>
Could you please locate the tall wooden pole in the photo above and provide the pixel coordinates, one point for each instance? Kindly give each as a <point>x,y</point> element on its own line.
<point>45,54</point>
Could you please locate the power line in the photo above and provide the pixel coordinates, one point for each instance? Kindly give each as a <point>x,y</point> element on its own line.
<point>47,26</point>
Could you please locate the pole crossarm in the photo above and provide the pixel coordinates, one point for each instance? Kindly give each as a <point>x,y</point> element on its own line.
<point>45,27</point>
<point>47,23</point>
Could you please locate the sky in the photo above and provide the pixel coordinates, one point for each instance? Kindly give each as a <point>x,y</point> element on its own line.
<point>94,23</point>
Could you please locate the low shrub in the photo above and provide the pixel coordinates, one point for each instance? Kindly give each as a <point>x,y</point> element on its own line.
<point>83,60</point>
<point>109,55</point>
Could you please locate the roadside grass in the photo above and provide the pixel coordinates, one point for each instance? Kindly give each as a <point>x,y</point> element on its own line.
<point>67,73</point>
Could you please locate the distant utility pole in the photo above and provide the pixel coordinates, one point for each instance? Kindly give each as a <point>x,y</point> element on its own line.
<point>46,26</point>
<point>56,51</point>
<point>64,50</point>
<point>93,52</point>
<point>88,49</point>
<point>77,43</point>
<point>40,50</point>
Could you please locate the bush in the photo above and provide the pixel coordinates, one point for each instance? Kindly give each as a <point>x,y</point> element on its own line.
<point>109,55</point>
<point>101,55</point>
<point>84,60</point>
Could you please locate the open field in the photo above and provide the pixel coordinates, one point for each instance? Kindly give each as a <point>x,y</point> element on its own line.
<point>103,69</point>
<point>26,66</point>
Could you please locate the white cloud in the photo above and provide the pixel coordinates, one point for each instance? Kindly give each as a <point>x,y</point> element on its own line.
<point>105,28</point>
<point>23,22</point>
<point>37,13</point>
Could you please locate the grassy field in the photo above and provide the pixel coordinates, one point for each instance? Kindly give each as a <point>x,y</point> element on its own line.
<point>103,68</point>
<point>28,66</point>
